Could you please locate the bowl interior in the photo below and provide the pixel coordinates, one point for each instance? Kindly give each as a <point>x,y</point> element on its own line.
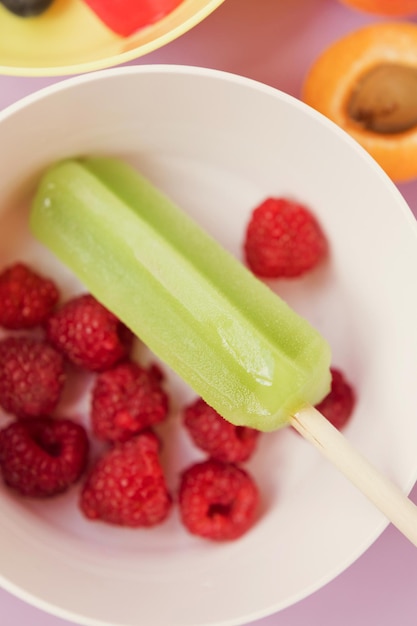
<point>223,145</point>
<point>69,38</point>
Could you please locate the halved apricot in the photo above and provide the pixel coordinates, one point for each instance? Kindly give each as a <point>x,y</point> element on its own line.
<point>399,8</point>
<point>366,82</point>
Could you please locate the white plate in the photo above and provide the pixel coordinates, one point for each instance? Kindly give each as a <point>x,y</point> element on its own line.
<point>219,144</point>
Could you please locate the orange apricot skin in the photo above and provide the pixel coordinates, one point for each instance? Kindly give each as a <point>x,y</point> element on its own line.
<point>398,8</point>
<point>332,77</point>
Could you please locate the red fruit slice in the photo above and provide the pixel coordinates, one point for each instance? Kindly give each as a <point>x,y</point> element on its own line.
<point>124,17</point>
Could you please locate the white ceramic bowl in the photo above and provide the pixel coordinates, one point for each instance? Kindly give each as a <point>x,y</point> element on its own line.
<point>218,144</point>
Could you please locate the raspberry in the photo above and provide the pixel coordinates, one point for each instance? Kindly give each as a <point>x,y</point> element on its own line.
<point>88,334</point>
<point>283,240</point>
<point>127,487</point>
<point>125,400</point>
<point>32,377</point>
<point>43,457</point>
<point>217,500</point>
<point>218,437</point>
<point>26,298</point>
<point>339,403</point>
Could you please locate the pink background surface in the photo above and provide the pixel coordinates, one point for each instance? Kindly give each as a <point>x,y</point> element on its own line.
<point>275,41</point>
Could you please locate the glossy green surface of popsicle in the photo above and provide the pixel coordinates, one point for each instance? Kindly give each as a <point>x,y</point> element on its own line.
<point>235,342</point>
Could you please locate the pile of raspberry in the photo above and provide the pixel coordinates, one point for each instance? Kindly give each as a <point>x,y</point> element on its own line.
<point>44,452</point>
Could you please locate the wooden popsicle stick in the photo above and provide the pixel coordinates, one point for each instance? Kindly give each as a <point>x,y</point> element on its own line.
<point>386,496</point>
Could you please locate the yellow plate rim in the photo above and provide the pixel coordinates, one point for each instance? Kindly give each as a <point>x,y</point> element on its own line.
<point>117,59</point>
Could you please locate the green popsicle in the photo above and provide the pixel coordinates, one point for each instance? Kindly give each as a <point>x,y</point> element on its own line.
<point>235,342</point>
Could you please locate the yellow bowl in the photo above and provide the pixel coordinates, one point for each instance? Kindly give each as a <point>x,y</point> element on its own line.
<point>69,39</point>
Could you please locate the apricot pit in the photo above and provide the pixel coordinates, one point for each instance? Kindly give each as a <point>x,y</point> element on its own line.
<point>385,99</point>
<point>366,82</point>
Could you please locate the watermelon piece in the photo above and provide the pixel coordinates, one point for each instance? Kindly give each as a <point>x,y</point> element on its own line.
<point>125,17</point>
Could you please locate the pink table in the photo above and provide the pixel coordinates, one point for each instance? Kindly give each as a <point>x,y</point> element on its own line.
<point>274,41</point>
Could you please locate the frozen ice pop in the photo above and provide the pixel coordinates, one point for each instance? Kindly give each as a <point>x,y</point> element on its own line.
<point>235,342</point>
<point>200,310</point>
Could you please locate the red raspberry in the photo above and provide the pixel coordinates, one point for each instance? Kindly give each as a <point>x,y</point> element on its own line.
<point>339,403</point>
<point>32,376</point>
<point>283,240</point>
<point>26,298</point>
<point>218,437</point>
<point>88,334</point>
<point>43,457</point>
<point>217,500</point>
<point>125,400</point>
<point>127,487</point>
